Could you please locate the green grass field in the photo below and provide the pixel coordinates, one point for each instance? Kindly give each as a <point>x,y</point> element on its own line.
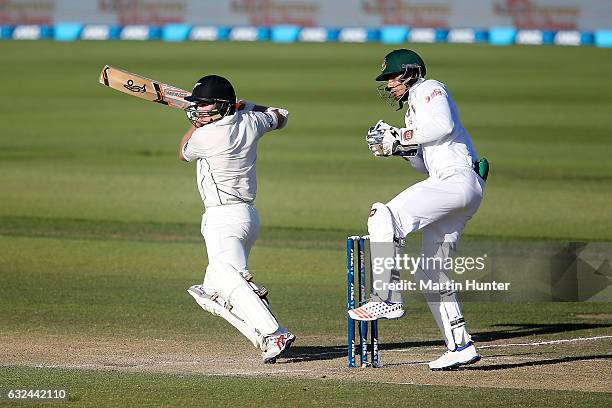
<point>120,390</point>
<point>99,223</point>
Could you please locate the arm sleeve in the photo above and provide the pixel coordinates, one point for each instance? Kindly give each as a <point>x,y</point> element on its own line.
<point>433,119</point>
<point>187,154</point>
<point>264,121</point>
<point>194,148</point>
<point>268,121</point>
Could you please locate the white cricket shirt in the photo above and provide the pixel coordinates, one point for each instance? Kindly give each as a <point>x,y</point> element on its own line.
<point>434,120</point>
<point>226,152</point>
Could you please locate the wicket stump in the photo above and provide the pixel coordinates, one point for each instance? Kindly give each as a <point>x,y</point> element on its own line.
<point>351,263</point>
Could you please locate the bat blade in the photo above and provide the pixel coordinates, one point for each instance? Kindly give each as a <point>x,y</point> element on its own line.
<point>144,88</point>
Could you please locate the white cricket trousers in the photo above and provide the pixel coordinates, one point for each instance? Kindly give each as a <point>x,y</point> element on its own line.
<point>230,232</point>
<point>441,208</point>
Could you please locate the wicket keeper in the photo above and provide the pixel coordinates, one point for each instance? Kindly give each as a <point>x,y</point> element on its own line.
<point>434,142</point>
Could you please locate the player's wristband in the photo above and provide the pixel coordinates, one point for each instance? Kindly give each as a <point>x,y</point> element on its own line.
<point>405,136</point>
<point>282,111</point>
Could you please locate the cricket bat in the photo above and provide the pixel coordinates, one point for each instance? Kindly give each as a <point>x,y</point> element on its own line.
<point>144,88</point>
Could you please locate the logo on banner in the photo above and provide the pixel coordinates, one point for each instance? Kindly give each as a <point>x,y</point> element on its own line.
<point>406,12</point>
<point>538,14</point>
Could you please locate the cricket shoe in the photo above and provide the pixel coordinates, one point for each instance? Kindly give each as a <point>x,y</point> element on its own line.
<point>453,359</point>
<point>377,310</point>
<point>275,344</point>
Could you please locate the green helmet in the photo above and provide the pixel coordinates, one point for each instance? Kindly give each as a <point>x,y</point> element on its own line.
<point>402,61</point>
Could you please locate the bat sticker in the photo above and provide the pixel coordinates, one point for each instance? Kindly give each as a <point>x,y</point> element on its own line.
<point>160,94</point>
<point>105,75</point>
<point>135,88</point>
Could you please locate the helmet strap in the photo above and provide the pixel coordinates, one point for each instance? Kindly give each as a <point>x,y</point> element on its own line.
<point>220,110</point>
<point>404,97</point>
<point>409,81</point>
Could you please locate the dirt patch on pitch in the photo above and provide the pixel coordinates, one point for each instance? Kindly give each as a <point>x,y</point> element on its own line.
<point>569,365</point>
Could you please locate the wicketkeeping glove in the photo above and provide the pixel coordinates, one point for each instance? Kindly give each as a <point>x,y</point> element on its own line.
<point>384,140</point>
<point>381,138</point>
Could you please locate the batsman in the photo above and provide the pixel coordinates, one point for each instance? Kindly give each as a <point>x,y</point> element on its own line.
<point>223,142</point>
<point>434,142</point>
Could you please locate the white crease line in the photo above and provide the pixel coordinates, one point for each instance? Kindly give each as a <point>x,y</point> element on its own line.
<point>418,363</point>
<point>247,372</point>
<point>408,363</point>
<point>538,343</point>
<point>230,373</point>
<point>328,353</point>
<point>402,383</point>
<point>543,343</point>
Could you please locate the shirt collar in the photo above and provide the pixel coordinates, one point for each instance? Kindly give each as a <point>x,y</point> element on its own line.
<point>414,86</point>
<point>226,120</point>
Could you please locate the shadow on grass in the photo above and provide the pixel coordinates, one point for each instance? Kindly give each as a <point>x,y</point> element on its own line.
<point>506,332</point>
<point>533,329</point>
<point>298,354</point>
<point>552,361</point>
